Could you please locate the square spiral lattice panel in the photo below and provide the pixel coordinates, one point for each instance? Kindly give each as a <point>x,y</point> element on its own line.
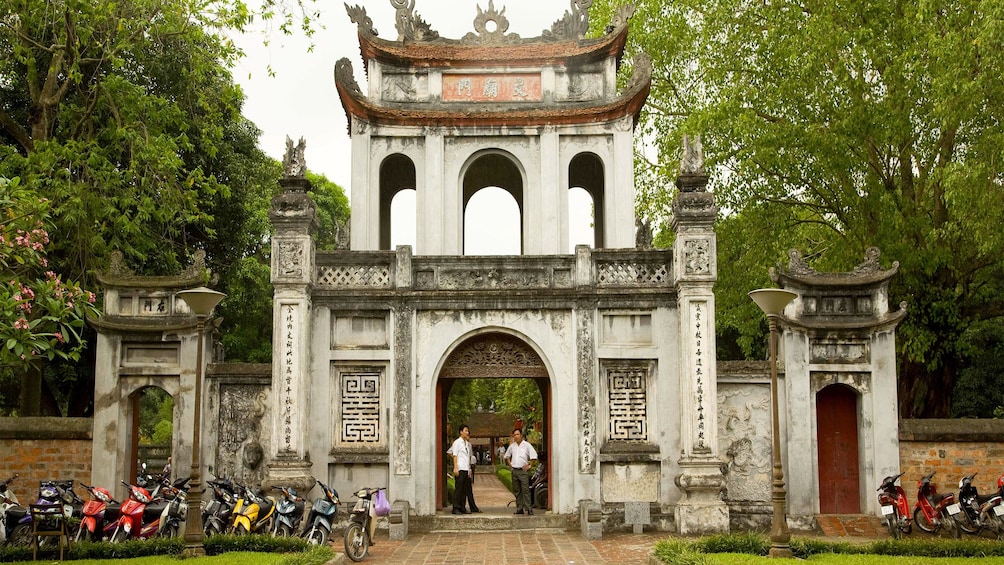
<point>360,407</point>
<point>627,401</point>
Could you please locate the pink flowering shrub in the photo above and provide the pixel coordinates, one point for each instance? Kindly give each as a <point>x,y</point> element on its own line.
<point>41,315</point>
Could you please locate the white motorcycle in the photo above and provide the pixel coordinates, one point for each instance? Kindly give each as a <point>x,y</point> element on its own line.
<point>8,500</point>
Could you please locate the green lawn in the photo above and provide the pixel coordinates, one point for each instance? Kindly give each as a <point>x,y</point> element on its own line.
<point>832,558</point>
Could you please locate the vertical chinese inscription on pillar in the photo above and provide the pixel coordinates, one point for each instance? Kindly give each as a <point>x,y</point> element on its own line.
<point>360,407</point>
<point>402,389</point>
<point>628,401</point>
<point>289,367</point>
<point>587,393</point>
<point>700,375</point>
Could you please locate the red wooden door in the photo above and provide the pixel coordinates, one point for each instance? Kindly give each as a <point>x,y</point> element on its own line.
<point>837,449</point>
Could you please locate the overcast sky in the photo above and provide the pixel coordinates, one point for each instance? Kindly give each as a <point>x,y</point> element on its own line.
<point>301,101</point>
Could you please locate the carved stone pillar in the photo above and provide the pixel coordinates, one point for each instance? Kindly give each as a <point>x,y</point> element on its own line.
<point>293,217</point>
<point>702,509</point>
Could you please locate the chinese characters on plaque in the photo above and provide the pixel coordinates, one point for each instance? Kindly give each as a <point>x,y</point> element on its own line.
<point>492,88</point>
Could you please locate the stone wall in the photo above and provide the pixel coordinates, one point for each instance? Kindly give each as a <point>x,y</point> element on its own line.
<point>953,449</point>
<point>40,449</point>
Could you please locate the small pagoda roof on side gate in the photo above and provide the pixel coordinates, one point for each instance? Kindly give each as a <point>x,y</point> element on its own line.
<point>420,50</point>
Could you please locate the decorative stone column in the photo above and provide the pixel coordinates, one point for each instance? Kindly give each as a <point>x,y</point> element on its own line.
<point>702,509</point>
<point>293,217</point>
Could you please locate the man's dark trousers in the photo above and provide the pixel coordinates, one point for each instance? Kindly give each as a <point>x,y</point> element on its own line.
<point>521,488</point>
<point>461,490</point>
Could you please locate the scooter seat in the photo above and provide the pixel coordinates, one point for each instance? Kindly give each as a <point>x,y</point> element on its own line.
<point>941,497</point>
<point>153,511</point>
<point>15,514</point>
<point>983,498</point>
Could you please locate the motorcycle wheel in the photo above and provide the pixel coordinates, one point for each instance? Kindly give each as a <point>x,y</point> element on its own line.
<point>317,536</point>
<point>967,524</point>
<point>212,528</point>
<point>922,522</point>
<point>283,531</point>
<point>21,535</point>
<point>240,530</point>
<point>952,525</point>
<point>169,531</point>
<point>893,525</point>
<point>119,535</point>
<point>83,534</point>
<point>357,543</point>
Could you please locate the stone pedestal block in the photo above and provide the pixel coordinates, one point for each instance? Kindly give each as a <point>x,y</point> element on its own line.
<point>702,511</point>
<point>591,519</point>
<point>290,472</point>
<point>399,520</point>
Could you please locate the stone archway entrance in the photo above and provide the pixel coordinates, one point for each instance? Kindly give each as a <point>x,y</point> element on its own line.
<point>493,354</point>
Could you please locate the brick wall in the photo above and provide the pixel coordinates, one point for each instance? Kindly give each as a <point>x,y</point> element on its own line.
<point>953,449</point>
<point>44,448</point>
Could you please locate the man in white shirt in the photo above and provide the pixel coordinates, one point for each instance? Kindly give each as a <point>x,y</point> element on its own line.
<point>519,456</point>
<point>461,453</point>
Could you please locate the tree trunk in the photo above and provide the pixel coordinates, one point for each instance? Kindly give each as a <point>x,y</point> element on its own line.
<point>923,393</point>
<point>31,391</point>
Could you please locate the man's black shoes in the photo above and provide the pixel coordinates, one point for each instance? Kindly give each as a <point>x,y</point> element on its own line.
<point>518,512</point>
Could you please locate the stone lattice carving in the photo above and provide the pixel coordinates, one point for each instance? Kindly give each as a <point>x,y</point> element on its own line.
<point>377,276</point>
<point>573,25</point>
<point>360,407</point>
<point>617,273</point>
<point>240,451</point>
<point>697,257</point>
<point>490,34</point>
<point>627,402</point>
<point>357,14</point>
<point>410,26</point>
<point>294,164</point>
<point>692,162</point>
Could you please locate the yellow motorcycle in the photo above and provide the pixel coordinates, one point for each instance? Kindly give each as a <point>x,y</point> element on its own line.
<point>253,513</point>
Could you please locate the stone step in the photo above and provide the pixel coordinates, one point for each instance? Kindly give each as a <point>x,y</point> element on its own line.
<point>491,523</point>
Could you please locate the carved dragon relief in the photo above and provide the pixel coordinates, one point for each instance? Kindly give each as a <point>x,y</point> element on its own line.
<point>357,15</point>
<point>743,440</point>
<point>410,25</point>
<point>573,25</point>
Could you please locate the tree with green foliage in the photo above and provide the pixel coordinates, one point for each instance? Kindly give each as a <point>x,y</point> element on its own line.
<point>835,125</point>
<point>41,315</point>
<point>125,117</point>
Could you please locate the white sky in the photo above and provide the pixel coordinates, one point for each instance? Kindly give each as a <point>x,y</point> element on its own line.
<point>301,101</point>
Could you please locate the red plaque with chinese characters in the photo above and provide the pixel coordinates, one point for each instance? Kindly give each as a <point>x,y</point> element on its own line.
<point>492,88</point>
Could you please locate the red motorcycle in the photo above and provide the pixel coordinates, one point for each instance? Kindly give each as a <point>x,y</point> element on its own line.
<point>138,517</point>
<point>95,511</point>
<point>895,507</point>
<point>935,511</point>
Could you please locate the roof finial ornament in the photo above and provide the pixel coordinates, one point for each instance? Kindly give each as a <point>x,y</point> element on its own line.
<point>357,15</point>
<point>692,162</point>
<point>410,26</point>
<point>573,25</point>
<point>293,163</point>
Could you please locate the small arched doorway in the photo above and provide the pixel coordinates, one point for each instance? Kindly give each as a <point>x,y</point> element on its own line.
<point>491,355</point>
<point>837,450</point>
<point>151,431</point>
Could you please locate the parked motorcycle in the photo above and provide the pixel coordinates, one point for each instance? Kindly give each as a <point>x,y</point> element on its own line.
<point>8,500</point>
<point>895,507</point>
<point>359,534</point>
<point>979,511</point>
<point>217,513</point>
<point>288,512</point>
<point>935,511</point>
<point>254,514</point>
<point>96,511</point>
<point>139,515</point>
<point>49,492</point>
<point>176,510</point>
<point>538,487</point>
<point>322,514</point>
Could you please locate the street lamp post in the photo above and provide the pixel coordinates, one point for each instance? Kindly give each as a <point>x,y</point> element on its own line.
<point>772,301</point>
<point>201,301</point>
